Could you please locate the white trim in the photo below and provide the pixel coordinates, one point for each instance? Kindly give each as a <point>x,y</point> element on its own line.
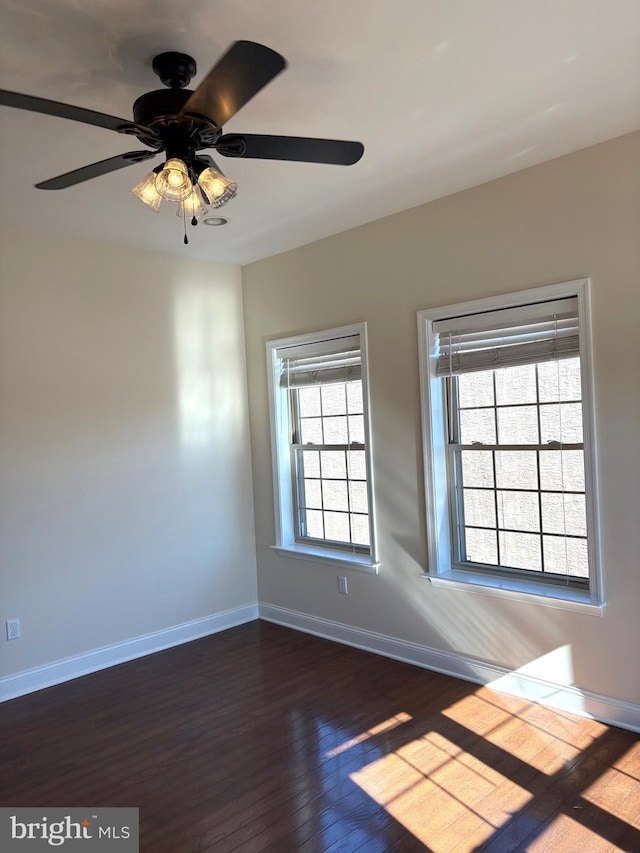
<point>345,560</point>
<point>283,498</point>
<point>544,293</point>
<point>590,443</point>
<point>519,589</point>
<point>30,680</point>
<point>583,703</point>
<point>439,534</point>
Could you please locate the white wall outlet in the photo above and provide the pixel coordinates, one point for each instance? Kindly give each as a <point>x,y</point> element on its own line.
<point>13,629</point>
<point>342,586</point>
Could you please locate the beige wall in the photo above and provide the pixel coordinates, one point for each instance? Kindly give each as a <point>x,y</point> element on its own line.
<point>125,490</point>
<point>572,217</point>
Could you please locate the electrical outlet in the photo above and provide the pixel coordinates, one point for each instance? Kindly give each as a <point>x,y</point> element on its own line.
<point>342,586</point>
<point>13,629</point>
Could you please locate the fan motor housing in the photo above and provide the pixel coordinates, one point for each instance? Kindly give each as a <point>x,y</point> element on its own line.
<point>159,104</point>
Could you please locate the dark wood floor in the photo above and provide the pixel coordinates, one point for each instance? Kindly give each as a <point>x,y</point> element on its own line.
<point>264,739</point>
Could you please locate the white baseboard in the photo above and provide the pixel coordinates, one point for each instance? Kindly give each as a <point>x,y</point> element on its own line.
<point>30,680</point>
<point>584,703</point>
<point>567,698</point>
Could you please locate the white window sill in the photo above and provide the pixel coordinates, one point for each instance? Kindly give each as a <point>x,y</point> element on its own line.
<point>359,562</point>
<point>518,589</point>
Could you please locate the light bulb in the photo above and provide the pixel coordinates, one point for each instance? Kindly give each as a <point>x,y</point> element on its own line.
<point>194,205</point>
<point>173,181</point>
<point>146,191</point>
<point>219,189</point>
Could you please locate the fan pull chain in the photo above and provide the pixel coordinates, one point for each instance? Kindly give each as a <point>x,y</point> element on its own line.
<point>184,220</point>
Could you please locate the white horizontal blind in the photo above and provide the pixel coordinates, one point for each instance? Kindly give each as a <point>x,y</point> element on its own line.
<point>507,337</point>
<point>322,362</point>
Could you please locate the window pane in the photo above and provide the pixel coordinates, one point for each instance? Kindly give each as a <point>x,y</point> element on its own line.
<point>321,483</point>
<point>360,529</point>
<point>310,463</point>
<point>516,469</point>
<point>311,431</point>
<point>336,525</point>
<point>314,524</point>
<point>475,389</point>
<point>516,385</point>
<point>356,465</point>
<point>358,497</point>
<point>333,464</point>
<point>562,469</point>
<point>481,546</point>
<point>334,494</point>
<point>564,516</point>
<point>479,508</point>
<point>559,380</point>
<point>312,494</point>
<point>334,399</point>
<point>335,430</point>
<point>356,428</point>
<point>518,425</point>
<point>477,425</point>
<point>477,468</point>
<point>518,510</point>
<point>309,402</point>
<point>566,556</point>
<point>520,551</point>
<point>354,398</point>
<point>561,423</point>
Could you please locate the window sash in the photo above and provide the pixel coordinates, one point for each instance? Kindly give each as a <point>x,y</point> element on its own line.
<point>297,475</point>
<point>456,487</point>
<point>458,520</point>
<point>298,478</point>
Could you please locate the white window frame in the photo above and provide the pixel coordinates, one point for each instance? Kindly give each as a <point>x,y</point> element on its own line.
<point>441,570</point>
<point>283,475</point>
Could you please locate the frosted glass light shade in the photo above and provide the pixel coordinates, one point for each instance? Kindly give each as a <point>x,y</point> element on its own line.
<point>173,181</point>
<point>219,189</point>
<point>147,193</point>
<point>193,205</point>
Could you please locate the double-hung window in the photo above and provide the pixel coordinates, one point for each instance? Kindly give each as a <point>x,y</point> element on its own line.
<point>321,448</point>
<point>509,446</point>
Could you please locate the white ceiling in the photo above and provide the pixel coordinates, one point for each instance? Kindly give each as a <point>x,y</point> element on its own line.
<point>444,94</point>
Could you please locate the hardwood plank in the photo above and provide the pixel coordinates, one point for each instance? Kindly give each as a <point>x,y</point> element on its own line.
<point>264,739</point>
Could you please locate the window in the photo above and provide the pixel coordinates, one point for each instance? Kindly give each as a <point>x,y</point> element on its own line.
<point>320,442</point>
<point>508,446</point>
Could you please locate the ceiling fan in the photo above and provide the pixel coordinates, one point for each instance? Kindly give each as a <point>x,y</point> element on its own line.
<point>180,124</point>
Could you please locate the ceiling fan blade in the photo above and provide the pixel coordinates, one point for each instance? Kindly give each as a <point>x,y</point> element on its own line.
<point>305,149</point>
<point>94,170</point>
<point>56,108</point>
<point>244,69</point>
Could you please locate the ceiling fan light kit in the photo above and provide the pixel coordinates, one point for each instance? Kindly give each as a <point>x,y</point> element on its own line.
<point>180,124</point>
<point>193,207</point>
<point>219,189</point>
<point>147,193</point>
<point>173,182</point>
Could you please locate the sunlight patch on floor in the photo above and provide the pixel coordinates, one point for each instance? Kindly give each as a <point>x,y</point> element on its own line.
<point>437,791</point>
<point>524,731</point>
<point>618,793</point>
<point>568,835</point>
